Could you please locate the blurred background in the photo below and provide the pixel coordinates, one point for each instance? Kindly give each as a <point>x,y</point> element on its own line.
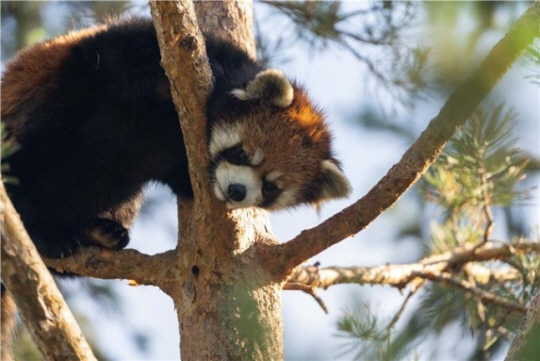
<point>381,70</point>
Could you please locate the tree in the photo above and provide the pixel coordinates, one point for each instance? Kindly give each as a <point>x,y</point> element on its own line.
<point>228,271</point>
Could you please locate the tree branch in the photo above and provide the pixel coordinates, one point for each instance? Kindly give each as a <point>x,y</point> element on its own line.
<point>484,296</point>
<point>439,268</point>
<point>307,289</point>
<point>40,303</point>
<point>399,275</point>
<point>123,264</point>
<point>283,258</point>
<point>228,22</point>
<point>178,33</point>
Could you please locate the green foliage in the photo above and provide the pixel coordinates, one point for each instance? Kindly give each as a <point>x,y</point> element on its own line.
<point>532,61</point>
<point>367,336</point>
<point>480,168</point>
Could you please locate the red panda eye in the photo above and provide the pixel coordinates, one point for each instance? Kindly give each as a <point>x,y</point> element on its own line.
<point>236,155</point>
<point>240,157</point>
<point>269,188</point>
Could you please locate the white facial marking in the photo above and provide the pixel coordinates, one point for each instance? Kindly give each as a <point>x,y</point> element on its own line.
<point>223,137</point>
<point>227,174</point>
<point>219,193</point>
<point>258,157</point>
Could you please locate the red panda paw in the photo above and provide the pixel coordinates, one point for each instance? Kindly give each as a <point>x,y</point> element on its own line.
<point>105,233</point>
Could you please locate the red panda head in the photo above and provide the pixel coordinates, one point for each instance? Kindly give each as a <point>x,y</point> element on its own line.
<point>274,150</point>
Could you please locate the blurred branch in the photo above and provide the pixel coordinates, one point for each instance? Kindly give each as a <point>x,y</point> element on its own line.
<point>419,156</point>
<point>324,21</point>
<point>399,313</point>
<point>307,289</point>
<point>484,296</point>
<point>40,303</point>
<point>439,268</point>
<point>371,35</point>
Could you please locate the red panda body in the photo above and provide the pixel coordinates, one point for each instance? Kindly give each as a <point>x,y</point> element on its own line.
<point>93,116</point>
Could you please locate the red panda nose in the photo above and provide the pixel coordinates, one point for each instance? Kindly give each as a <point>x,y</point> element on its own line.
<point>236,192</point>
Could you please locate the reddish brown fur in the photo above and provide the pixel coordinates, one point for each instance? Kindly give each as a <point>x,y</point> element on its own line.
<point>27,80</point>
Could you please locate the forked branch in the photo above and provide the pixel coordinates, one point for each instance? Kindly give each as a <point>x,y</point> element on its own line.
<point>414,163</point>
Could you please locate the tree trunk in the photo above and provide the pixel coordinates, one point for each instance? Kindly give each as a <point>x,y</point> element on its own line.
<point>228,306</point>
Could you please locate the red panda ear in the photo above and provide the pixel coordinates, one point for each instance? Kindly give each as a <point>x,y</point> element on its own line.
<point>334,183</point>
<point>271,84</point>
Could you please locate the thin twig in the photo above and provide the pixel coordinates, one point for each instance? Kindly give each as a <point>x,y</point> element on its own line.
<point>485,187</point>
<point>371,41</point>
<point>374,8</point>
<point>485,296</point>
<point>307,289</point>
<point>402,308</point>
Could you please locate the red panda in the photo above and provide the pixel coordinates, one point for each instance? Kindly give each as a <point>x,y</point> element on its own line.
<point>93,116</point>
<point>95,122</point>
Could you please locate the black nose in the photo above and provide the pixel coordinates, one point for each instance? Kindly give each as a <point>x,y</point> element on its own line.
<point>236,192</point>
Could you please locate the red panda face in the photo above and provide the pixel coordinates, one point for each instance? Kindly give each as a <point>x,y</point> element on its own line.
<point>277,153</point>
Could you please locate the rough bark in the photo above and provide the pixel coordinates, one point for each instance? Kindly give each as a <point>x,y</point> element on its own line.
<point>231,20</point>
<point>9,325</point>
<point>125,264</point>
<point>228,306</point>
<point>40,303</point>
